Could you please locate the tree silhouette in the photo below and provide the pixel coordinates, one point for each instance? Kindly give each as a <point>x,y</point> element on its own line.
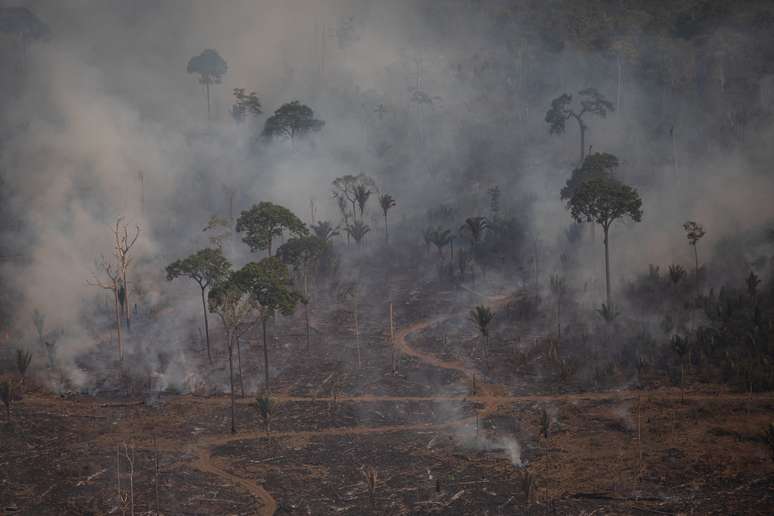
<point>324,230</point>
<point>561,110</point>
<point>481,316</point>
<point>440,239</point>
<point>291,120</point>
<point>211,69</point>
<point>386,202</point>
<point>270,288</point>
<point>245,104</point>
<point>267,220</point>
<point>362,194</point>
<point>694,232</point>
<point>603,199</point>
<point>352,189</point>
<point>358,230</point>
<point>205,267</point>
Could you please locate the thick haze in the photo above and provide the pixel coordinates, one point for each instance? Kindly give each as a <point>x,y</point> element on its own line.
<point>107,96</point>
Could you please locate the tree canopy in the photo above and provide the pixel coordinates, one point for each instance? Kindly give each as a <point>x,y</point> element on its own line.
<point>291,120</point>
<point>209,65</point>
<point>269,285</point>
<point>244,105</point>
<point>206,267</point>
<point>267,220</point>
<point>602,199</point>
<point>594,165</point>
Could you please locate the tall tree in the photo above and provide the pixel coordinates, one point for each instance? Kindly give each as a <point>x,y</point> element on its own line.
<point>440,238</point>
<point>358,230</point>
<point>386,202</point>
<point>206,267</point>
<point>561,110</point>
<point>362,194</point>
<point>482,316</point>
<point>291,121</point>
<point>267,220</point>
<point>603,199</point>
<point>233,304</point>
<point>269,285</point>
<point>211,69</point>
<point>694,232</point>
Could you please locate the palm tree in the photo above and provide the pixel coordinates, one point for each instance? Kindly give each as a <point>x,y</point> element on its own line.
<point>474,228</point>
<point>358,230</point>
<point>482,316</point>
<point>440,238</point>
<point>362,194</point>
<point>386,202</point>
<point>324,230</point>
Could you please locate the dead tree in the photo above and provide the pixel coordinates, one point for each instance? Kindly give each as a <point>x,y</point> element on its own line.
<point>122,244</point>
<point>113,284</point>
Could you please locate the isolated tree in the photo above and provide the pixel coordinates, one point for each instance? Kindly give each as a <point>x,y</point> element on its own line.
<point>386,202</point>
<point>244,105</point>
<point>694,232</point>
<point>122,245</point>
<point>292,120</point>
<point>482,316</point>
<point>39,321</point>
<point>270,288</point>
<point>205,267</point>
<point>211,69</point>
<point>558,289</point>
<point>358,230</point>
<point>324,230</point>
<point>561,110</point>
<point>603,199</point>
<point>113,284</point>
<point>302,254</point>
<point>232,303</point>
<point>267,220</point>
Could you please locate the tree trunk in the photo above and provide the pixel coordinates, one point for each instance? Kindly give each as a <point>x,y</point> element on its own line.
<point>239,367</point>
<point>126,302</point>
<point>206,327</point>
<point>582,140</point>
<point>696,267</point>
<point>558,325</point>
<point>231,380</point>
<point>607,268</point>
<point>306,307</point>
<point>207,88</point>
<point>357,336</point>
<point>386,231</point>
<point>265,359</point>
<point>620,80</point>
<point>118,325</point>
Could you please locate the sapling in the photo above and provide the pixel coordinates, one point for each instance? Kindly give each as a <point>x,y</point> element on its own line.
<point>265,406</point>
<point>23,359</point>
<point>370,475</point>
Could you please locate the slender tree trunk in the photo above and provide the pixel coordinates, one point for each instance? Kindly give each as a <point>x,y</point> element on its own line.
<point>607,268</point>
<point>386,231</point>
<point>265,358</point>
<point>126,302</point>
<point>451,248</point>
<point>357,336</point>
<point>239,367</point>
<point>231,380</point>
<point>118,325</point>
<point>306,308</point>
<point>620,80</point>
<point>696,267</point>
<point>206,327</point>
<point>558,325</point>
<point>207,88</point>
